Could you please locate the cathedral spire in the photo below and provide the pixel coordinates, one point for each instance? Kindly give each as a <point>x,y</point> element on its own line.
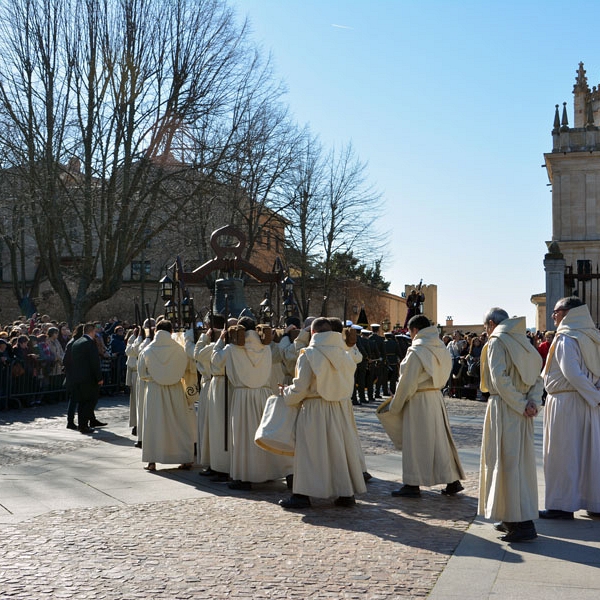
<point>590,116</point>
<point>565,121</point>
<point>556,127</point>
<point>581,82</point>
<point>581,93</point>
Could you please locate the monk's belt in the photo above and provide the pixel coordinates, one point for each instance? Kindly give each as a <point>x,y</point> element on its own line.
<point>563,392</point>
<point>428,390</point>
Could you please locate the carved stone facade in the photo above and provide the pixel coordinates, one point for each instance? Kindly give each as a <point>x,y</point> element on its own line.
<point>573,169</point>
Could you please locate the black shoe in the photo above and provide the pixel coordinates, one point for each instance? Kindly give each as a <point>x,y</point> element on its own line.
<point>86,430</point>
<point>556,514</point>
<point>522,532</point>
<point>367,476</point>
<point>220,477</point>
<point>138,444</point>
<point>96,423</point>
<point>407,491</point>
<point>134,431</point>
<point>453,488</point>
<point>289,482</point>
<point>504,526</point>
<point>207,472</point>
<point>295,501</point>
<point>239,485</point>
<point>72,425</point>
<point>345,501</point>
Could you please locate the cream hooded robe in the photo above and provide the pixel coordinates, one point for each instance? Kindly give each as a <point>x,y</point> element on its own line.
<point>510,372</point>
<point>326,461</point>
<point>168,435</point>
<point>248,368</point>
<point>201,353</point>
<point>219,438</point>
<point>429,456</point>
<point>572,415</point>
<point>131,378</point>
<point>140,393</point>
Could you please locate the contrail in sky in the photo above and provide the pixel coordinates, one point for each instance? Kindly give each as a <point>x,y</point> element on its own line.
<point>341,26</point>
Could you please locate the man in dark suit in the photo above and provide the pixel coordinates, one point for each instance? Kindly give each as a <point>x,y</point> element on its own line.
<point>381,370</point>
<point>360,375</point>
<point>86,377</point>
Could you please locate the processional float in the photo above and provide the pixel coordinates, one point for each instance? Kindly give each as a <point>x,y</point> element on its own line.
<point>228,297</point>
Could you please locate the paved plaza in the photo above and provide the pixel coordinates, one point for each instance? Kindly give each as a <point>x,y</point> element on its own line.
<point>80,518</point>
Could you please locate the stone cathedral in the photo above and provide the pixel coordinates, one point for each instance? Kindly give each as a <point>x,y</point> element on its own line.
<point>573,166</point>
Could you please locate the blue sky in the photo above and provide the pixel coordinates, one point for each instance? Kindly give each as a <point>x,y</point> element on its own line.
<point>451,104</point>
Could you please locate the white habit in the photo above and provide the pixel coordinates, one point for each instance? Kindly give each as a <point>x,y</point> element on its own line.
<point>248,369</point>
<point>168,430</point>
<point>572,415</point>
<point>429,456</point>
<point>510,372</point>
<point>327,463</point>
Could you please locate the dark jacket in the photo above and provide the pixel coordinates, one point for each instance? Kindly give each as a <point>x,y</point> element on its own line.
<point>85,362</point>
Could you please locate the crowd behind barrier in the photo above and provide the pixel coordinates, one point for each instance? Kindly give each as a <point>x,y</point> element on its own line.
<point>31,360</point>
<point>19,389</point>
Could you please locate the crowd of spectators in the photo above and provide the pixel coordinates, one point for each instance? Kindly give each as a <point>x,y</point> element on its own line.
<point>32,352</point>
<point>465,350</point>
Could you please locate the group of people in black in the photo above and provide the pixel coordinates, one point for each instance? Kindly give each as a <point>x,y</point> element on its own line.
<point>377,374</point>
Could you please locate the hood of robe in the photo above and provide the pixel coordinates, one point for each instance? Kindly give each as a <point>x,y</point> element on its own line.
<point>578,324</point>
<point>433,354</point>
<point>512,334</point>
<point>332,365</point>
<point>252,362</point>
<point>166,361</point>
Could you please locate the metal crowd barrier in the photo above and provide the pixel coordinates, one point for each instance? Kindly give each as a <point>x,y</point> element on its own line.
<point>33,383</point>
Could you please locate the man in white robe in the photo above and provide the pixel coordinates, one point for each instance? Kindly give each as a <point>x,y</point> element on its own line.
<point>248,369</point>
<point>326,461</point>
<point>140,392</point>
<point>429,455</point>
<point>201,353</point>
<point>168,432</point>
<point>132,351</point>
<point>510,372</point>
<point>284,356</point>
<point>218,415</point>
<point>572,414</point>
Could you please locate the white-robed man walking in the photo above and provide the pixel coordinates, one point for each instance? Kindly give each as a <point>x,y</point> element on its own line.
<point>572,414</point>
<point>248,368</point>
<point>326,463</point>
<point>510,372</point>
<point>168,432</point>
<point>429,455</point>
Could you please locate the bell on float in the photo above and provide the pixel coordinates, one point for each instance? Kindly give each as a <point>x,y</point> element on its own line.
<point>236,301</point>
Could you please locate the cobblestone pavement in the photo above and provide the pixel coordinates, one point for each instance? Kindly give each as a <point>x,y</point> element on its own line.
<point>233,544</point>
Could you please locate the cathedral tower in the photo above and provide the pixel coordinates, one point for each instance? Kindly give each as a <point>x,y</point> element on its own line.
<point>574,171</point>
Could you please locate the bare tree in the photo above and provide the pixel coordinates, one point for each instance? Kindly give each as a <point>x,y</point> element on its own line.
<point>262,154</point>
<point>92,96</point>
<point>304,214</point>
<point>349,208</point>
